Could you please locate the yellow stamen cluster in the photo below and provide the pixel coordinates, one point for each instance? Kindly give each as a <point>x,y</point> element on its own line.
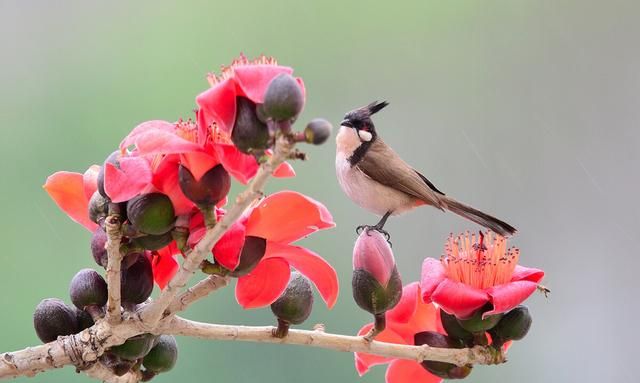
<point>226,71</point>
<point>481,260</point>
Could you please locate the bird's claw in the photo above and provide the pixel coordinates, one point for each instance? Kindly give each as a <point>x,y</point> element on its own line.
<point>368,228</point>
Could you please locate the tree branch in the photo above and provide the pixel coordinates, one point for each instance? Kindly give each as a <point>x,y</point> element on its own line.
<point>198,291</point>
<point>156,310</point>
<point>343,343</point>
<point>114,236</point>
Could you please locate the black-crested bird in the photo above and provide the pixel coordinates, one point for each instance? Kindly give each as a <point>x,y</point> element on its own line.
<point>378,180</point>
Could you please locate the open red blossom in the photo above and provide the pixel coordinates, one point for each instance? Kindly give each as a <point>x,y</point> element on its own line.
<point>164,264</point>
<point>72,191</point>
<point>281,219</point>
<point>409,317</point>
<point>476,271</point>
<point>244,77</point>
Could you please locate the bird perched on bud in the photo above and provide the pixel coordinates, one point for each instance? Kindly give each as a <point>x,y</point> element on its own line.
<point>378,180</point>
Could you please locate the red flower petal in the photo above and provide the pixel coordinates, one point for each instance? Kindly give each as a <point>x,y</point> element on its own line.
<point>432,275</point>
<point>157,137</point>
<point>507,296</point>
<point>525,273</point>
<point>264,284</point>
<point>408,371</point>
<point>459,299</point>
<point>311,265</point>
<point>90,180</point>
<point>68,192</point>
<point>198,163</point>
<point>218,104</point>
<point>366,361</point>
<point>127,182</point>
<point>285,170</point>
<point>165,179</point>
<point>164,268</point>
<point>253,80</point>
<point>227,250</point>
<point>404,310</point>
<point>241,166</point>
<point>287,216</point>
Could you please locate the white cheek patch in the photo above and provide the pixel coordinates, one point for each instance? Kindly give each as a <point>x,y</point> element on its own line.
<point>364,136</point>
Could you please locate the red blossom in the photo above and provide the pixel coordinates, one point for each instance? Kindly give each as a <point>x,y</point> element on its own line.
<point>476,271</point>
<point>72,191</point>
<point>409,317</point>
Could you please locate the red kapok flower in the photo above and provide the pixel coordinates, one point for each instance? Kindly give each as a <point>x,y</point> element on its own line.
<point>409,317</point>
<point>72,192</point>
<point>279,220</point>
<point>476,271</point>
<point>244,77</point>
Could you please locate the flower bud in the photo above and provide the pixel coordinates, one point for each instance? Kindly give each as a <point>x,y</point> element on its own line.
<point>476,324</point>
<point>137,281</point>
<point>296,301</point>
<point>252,252</point>
<point>317,131</point>
<point>98,247</point>
<point>112,159</point>
<point>98,208</point>
<point>283,99</point>
<point>454,329</point>
<point>54,318</point>
<point>249,132</point>
<point>376,282</point>
<point>134,348</point>
<point>208,190</point>
<point>442,369</point>
<point>84,319</point>
<point>513,326</point>
<point>163,355</point>
<point>151,213</point>
<point>153,242</point>
<point>88,288</point>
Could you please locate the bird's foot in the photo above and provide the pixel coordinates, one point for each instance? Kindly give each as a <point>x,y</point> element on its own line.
<point>377,228</point>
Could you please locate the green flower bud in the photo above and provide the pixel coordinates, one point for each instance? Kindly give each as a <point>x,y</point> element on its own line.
<point>98,249</point>
<point>151,213</point>
<point>88,288</point>
<point>163,355</point>
<point>317,131</point>
<point>295,303</point>
<point>53,318</point>
<point>513,326</point>
<point>134,348</point>
<point>249,133</point>
<point>476,324</point>
<point>442,369</point>
<point>453,327</point>
<point>371,296</point>
<point>252,252</point>
<point>153,242</point>
<point>283,99</point>
<point>137,281</point>
<point>209,190</point>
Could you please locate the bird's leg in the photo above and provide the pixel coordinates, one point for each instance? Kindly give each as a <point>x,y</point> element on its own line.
<point>377,227</point>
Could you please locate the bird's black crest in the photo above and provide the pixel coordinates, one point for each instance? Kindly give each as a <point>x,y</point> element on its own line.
<point>376,106</point>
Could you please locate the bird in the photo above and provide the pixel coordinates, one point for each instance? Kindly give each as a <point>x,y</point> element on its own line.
<point>377,179</point>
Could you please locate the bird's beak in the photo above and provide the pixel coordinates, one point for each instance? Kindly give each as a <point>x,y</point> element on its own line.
<point>346,123</point>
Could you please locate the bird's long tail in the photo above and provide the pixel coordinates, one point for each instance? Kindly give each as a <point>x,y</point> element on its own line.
<point>475,215</point>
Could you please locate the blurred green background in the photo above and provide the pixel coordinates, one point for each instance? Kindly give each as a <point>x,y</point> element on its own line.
<point>527,109</point>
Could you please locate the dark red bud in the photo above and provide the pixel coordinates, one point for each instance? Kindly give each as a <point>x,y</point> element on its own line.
<point>88,288</point>
<point>317,131</point>
<point>212,188</point>
<point>98,247</point>
<point>252,252</point>
<point>283,99</point>
<point>53,318</point>
<point>137,281</point>
<point>249,133</point>
<point>441,369</point>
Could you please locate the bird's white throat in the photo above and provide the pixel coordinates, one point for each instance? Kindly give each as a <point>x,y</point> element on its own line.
<point>348,139</point>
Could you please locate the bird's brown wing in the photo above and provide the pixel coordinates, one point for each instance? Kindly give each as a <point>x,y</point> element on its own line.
<point>383,165</point>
